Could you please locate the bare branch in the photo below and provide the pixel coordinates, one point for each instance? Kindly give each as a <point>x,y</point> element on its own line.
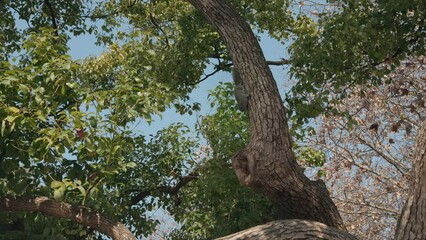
<point>399,166</point>
<point>366,204</point>
<point>224,66</point>
<point>154,22</point>
<point>182,181</point>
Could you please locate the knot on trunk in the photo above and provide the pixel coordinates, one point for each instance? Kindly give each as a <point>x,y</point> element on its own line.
<point>244,166</point>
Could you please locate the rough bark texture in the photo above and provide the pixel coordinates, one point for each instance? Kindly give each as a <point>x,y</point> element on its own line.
<point>79,214</point>
<point>267,163</point>
<point>412,222</point>
<point>290,229</point>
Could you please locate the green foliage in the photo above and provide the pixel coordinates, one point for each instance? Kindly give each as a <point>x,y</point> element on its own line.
<point>63,16</point>
<point>310,156</point>
<point>66,129</point>
<point>216,205</point>
<point>66,126</point>
<point>273,17</point>
<point>227,125</point>
<point>40,113</point>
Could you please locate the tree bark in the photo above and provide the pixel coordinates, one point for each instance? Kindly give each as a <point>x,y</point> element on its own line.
<point>267,163</point>
<point>412,222</point>
<point>79,214</point>
<point>290,229</point>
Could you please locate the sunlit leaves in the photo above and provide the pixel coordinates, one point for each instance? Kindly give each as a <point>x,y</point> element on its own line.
<point>227,124</point>
<point>60,188</point>
<point>311,157</point>
<point>59,122</point>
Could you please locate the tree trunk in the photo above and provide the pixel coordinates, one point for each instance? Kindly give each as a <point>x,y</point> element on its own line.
<point>267,163</point>
<point>290,229</point>
<point>412,222</point>
<point>79,214</point>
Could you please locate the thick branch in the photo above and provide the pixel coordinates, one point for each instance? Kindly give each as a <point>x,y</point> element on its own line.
<point>291,229</point>
<point>267,164</point>
<point>412,222</point>
<point>79,214</point>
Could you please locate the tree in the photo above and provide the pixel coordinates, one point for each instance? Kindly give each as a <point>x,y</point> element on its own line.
<point>46,93</point>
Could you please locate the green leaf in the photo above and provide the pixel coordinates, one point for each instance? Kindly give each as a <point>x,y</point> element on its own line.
<point>10,119</point>
<point>82,191</point>
<point>13,109</point>
<point>56,184</point>
<point>58,194</point>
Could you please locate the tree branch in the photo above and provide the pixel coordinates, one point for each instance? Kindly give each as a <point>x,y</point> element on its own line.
<point>398,166</point>
<point>154,22</point>
<point>220,68</point>
<point>370,205</point>
<point>79,214</point>
<point>52,16</point>
<point>291,229</point>
<point>411,223</point>
<point>182,181</point>
<point>281,62</point>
